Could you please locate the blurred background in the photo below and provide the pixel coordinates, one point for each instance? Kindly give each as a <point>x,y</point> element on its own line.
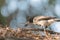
<point>3,20</point>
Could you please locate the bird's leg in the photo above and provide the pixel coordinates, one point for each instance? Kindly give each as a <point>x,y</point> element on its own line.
<point>44,28</point>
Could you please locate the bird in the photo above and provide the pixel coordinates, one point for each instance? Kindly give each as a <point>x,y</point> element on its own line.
<point>44,21</point>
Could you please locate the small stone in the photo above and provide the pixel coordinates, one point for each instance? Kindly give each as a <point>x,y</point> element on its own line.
<point>55,27</point>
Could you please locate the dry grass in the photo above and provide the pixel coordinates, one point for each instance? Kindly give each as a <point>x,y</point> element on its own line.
<point>26,34</point>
